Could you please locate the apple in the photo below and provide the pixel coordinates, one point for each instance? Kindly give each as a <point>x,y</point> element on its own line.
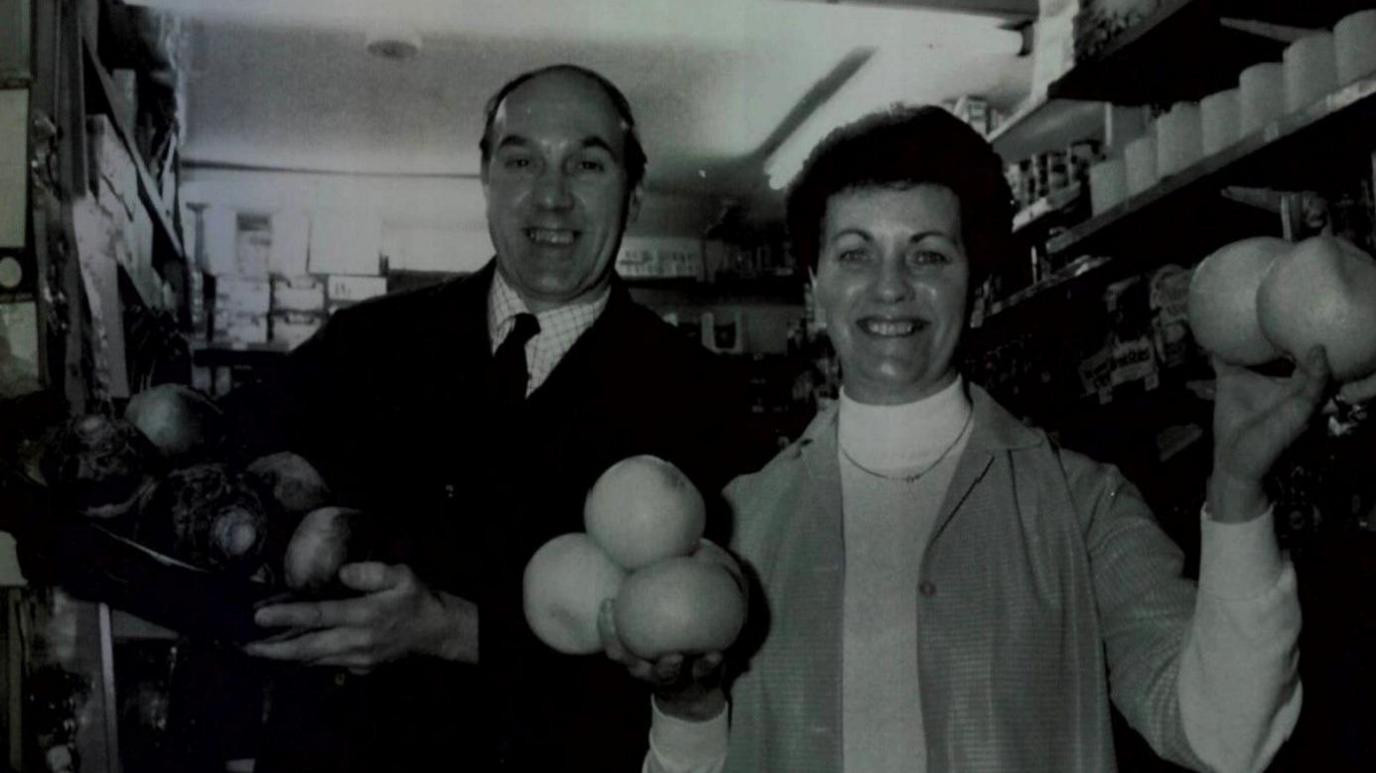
<point>687,604</point>
<point>644,509</point>
<point>1323,293</point>
<point>1222,301</point>
<point>564,586</point>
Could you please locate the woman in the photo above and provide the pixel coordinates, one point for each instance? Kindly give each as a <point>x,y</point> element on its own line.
<point>947,589</point>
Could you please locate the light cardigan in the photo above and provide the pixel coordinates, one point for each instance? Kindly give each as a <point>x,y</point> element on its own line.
<point>1046,582</point>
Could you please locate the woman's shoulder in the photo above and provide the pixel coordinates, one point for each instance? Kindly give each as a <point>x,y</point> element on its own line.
<point>782,468</point>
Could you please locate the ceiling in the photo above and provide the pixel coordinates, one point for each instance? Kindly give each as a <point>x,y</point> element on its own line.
<point>718,86</point>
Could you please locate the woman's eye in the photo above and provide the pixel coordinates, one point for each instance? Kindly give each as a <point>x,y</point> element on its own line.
<point>928,257</point>
<point>854,255</point>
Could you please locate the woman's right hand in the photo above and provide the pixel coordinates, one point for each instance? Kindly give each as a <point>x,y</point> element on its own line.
<point>686,685</point>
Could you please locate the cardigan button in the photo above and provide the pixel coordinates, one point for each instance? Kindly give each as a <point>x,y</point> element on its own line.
<point>927,588</point>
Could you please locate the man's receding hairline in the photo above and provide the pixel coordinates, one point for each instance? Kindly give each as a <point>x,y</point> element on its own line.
<point>621,122</point>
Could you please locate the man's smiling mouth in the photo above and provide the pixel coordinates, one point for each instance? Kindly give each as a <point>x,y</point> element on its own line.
<point>552,237</point>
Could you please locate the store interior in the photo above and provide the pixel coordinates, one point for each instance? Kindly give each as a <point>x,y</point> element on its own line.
<point>189,189</point>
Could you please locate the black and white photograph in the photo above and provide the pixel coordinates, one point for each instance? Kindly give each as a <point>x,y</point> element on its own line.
<point>687,386</point>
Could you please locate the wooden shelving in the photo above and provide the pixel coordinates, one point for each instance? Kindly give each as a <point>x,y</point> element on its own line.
<point>1047,207</point>
<point>149,192</point>
<point>1043,124</point>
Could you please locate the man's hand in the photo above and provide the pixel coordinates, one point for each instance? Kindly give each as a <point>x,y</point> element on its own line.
<point>1256,417</point>
<point>686,686</point>
<point>397,615</point>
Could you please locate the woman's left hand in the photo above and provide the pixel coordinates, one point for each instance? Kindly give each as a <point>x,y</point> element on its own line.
<point>687,686</point>
<point>1256,417</point>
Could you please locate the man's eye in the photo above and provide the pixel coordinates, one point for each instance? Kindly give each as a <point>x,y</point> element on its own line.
<point>591,165</point>
<point>516,162</point>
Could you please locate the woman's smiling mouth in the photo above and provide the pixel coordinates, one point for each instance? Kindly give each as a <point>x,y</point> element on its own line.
<point>890,327</point>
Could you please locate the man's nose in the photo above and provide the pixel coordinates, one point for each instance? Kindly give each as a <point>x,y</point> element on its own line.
<point>553,189</point>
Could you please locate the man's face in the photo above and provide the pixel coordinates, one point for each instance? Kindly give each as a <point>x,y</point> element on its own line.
<point>556,187</point>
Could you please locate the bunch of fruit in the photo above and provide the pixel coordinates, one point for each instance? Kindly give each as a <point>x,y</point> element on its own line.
<point>642,547</point>
<point>1262,299</point>
<point>157,476</point>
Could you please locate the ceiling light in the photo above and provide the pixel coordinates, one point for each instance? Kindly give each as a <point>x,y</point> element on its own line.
<point>396,43</point>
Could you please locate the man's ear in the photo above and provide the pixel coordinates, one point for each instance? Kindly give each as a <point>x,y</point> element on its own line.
<point>633,205</point>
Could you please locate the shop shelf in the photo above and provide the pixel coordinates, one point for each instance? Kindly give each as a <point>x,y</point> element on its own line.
<point>1047,207</point>
<point>1184,52</point>
<point>1301,149</point>
<point>1045,124</point>
<point>148,188</point>
<point>778,287</point>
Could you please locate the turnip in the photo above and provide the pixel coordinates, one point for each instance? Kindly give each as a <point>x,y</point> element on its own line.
<point>207,515</point>
<point>185,425</point>
<point>294,485</point>
<point>98,466</point>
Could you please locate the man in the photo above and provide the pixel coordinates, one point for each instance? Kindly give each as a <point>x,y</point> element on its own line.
<point>400,403</point>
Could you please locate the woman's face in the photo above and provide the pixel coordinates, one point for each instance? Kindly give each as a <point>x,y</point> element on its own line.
<point>891,284</point>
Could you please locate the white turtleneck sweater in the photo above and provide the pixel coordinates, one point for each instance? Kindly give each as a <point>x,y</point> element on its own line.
<point>896,463</point>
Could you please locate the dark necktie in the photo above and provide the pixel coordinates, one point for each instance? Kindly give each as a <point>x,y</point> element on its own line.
<point>509,374</point>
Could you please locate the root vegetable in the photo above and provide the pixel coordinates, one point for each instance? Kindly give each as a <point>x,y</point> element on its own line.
<point>295,486</point>
<point>326,539</point>
<point>182,423</point>
<point>207,515</point>
<point>98,466</point>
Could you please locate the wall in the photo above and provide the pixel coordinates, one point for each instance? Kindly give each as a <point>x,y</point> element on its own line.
<point>428,223</point>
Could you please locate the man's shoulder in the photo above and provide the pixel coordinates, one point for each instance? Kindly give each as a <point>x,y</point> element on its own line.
<point>634,326</point>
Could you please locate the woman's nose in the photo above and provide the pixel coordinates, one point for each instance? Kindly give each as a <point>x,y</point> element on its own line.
<point>890,282</point>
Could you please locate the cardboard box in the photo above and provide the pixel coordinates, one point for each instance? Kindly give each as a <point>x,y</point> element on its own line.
<point>252,244</point>
<point>353,289</point>
<point>669,256</point>
<point>219,229</point>
<point>250,295</point>
<point>291,328</point>
<point>302,293</point>
<point>239,327</point>
<point>290,251</point>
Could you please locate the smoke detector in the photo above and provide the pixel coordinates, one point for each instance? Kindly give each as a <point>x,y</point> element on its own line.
<point>394,43</point>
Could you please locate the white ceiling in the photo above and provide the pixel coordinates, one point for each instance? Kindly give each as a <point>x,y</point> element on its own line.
<point>715,84</point>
